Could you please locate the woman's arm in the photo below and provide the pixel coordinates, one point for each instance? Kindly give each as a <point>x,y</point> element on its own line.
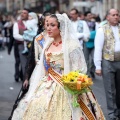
<point>77,60</point>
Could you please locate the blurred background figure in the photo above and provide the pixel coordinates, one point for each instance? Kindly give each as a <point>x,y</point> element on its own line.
<point>89,46</point>
<point>81,16</point>
<point>2,45</point>
<point>8,27</point>
<point>107,61</point>
<point>31,32</point>
<point>80,26</point>
<point>18,30</point>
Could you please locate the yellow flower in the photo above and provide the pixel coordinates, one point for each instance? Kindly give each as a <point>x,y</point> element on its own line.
<point>72,79</point>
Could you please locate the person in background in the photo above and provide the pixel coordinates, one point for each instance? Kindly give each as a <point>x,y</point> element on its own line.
<point>32,28</point>
<point>80,26</point>
<point>89,46</point>
<point>18,29</point>
<point>107,61</point>
<point>98,21</point>
<point>11,41</point>
<point>5,30</point>
<point>81,16</point>
<point>2,45</point>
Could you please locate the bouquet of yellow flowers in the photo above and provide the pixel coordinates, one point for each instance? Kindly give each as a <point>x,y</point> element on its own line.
<point>76,83</point>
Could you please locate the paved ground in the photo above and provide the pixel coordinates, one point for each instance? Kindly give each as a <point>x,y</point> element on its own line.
<point>9,88</point>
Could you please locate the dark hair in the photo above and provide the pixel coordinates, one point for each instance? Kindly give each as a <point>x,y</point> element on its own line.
<point>27,10</point>
<point>80,13</point>
<point>40,24</point>
<point>76,11</point>
<point>86,13</point>
<point>54,16</point>
<point>105,17</point>
<point>46,14</point>
<point>98,19</point>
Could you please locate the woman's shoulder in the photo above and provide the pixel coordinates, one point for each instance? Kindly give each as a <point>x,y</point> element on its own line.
<point>39,37</point>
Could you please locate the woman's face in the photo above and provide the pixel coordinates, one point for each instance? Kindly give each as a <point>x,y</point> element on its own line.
<point>52,28</point>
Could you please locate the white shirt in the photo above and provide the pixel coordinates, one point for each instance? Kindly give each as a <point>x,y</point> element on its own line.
<point>16,34</point>
<point>8,24</point>
<point>97,25</point>
<point>99,43</point>
<point>86,32</point>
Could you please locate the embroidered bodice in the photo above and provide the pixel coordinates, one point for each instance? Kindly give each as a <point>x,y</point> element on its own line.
<point>55,60</point>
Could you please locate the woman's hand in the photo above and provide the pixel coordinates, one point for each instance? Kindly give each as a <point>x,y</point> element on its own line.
<point>25,84</point>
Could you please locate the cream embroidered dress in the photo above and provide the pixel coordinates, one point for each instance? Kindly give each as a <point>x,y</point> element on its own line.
<point>46,98</point>
<point>51,102</point>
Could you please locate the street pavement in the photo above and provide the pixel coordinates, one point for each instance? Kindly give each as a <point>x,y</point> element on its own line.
<point>9,89</point>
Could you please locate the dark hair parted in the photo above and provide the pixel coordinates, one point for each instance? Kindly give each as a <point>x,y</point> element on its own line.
<point>54,16</point>
<point>76,11</point>
<point>46,14</point>
<point>27,10</point>
<point>86,13</point>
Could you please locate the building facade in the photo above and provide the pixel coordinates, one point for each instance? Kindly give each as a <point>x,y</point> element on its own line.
<point>107,4</point>
<point>99,7</point>
<point>96,6</point>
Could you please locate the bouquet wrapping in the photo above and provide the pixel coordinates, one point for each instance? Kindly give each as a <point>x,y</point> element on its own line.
<point>76,83</point>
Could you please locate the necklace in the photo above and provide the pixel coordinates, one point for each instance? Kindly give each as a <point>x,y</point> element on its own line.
<point>56,44</point>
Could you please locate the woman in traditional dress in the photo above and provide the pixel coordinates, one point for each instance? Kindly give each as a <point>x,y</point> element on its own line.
<point>48,100</point>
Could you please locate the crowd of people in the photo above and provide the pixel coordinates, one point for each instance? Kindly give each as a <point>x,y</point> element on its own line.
<point>6,24</point>
<point>49,45</point>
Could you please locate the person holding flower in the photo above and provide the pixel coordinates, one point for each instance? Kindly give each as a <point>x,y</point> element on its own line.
<point>61,55</point>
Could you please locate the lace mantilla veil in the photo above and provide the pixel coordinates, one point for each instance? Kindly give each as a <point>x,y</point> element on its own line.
<point>73,55</point>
